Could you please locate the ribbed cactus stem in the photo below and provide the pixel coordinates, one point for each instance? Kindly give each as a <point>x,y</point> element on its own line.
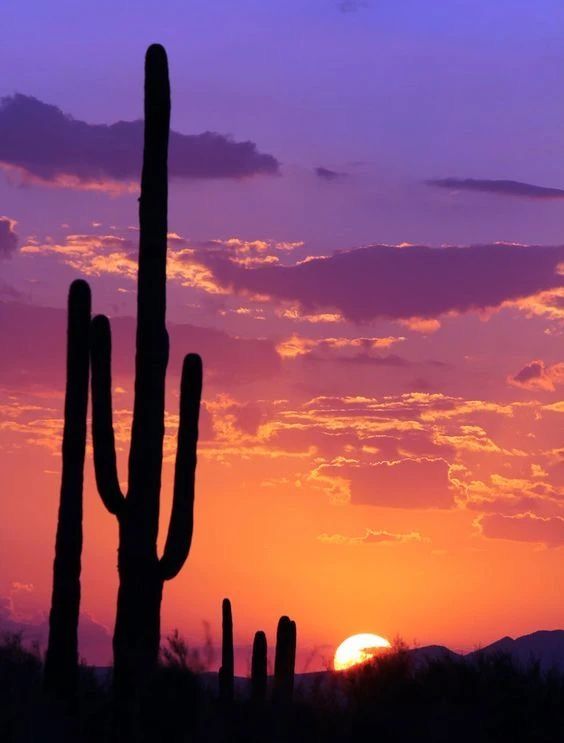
<point>259,668</point>
<point>61,660</point>
<point>226,672</point>
<point>141,572</point>
<point>284,662</point>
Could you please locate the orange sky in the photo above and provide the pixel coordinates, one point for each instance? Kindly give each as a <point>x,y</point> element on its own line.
<point>419,497</point>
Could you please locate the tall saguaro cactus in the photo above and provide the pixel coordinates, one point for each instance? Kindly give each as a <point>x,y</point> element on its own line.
<point>284,661</point>
<point>259,668</point>
<point>141,572</point>
<point>226,672</point>
<point>61,660</point>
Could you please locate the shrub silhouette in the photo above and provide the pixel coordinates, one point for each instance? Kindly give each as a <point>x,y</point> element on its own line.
<point>61,661</point>
<point>141,572</point>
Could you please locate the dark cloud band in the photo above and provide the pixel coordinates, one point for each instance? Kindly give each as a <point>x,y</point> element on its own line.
<point>398,283</point>
<point>44,143</point>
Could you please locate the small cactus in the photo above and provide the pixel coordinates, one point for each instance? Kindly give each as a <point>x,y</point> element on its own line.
<point>226,672</point>
<point>284,662</point>
<point>258,669</point>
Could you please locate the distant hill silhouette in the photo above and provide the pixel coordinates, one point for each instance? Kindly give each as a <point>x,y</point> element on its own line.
<point>545,647</point>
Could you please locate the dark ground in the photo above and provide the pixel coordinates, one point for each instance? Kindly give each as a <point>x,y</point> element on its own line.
<point>489,697</point>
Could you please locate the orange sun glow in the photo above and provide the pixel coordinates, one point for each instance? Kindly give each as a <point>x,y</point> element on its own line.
<point>358,649</point>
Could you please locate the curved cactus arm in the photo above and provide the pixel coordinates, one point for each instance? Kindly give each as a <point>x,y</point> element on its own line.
<point>179,537</point>
<point>102,426</point>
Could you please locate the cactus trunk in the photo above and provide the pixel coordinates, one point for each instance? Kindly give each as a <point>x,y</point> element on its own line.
<point>141,571</point>
<point>61,660</point>
<point>259,669</point>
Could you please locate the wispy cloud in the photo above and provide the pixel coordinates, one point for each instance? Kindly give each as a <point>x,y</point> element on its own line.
<point>373,537</point>
<point>329,175</point>
<point>500,187</point>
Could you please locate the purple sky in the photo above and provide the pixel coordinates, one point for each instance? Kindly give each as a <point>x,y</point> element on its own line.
<point>392,94</point>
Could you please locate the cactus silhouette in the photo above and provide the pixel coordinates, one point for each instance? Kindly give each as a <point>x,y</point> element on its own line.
<point>141,572</point>
<point>258,668</point>
<point>61,660</point>
<point>284,661</point>
<point>227,657</point>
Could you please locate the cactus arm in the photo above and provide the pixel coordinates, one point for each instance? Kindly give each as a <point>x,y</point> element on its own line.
<point>102,426</point>
<point>61,660</point>
<point>179,537</point>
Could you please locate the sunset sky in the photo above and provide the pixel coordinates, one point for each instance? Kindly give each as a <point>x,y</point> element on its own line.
<point>366,247</point>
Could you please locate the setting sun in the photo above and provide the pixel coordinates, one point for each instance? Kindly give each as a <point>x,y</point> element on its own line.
<point>358,649</point>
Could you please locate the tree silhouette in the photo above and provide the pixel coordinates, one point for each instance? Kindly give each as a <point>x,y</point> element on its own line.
<point>141,571</point>
<point>61,660</point>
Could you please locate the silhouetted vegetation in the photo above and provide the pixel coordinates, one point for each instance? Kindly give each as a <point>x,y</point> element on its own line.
<point>61,661</point>
<point>259,668</point>
<point>167,693</point>
<point>487,699</point>
<point>141,572</point>
<point>226,672</point>
<point>284,661</point>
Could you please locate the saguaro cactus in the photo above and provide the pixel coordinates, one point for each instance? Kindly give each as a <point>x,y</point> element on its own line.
<point>258,668</point>
<point>285,661</point>
<point>141,572</point>
<point>226,672</point>
<point>61,660</point>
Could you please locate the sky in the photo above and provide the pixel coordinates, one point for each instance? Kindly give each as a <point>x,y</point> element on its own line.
<point>366,214</point>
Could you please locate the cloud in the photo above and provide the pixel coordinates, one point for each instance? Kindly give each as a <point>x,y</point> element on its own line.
<point>523,528</point>
<point>19,615</point>
<point>98,254</point>
<point>36,338</point>
<point>421,482</point>
<point>329,175</point>
<point>8,238</point>
<point>297,346</point>
<point>539,376</point>
<point>501,187</point>
<point>351,6</point>
<point>42,144</point>
<point>384,281</point>
<point>372,537</point>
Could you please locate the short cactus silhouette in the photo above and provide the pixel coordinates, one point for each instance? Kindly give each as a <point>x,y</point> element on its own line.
<point>226,672</point>
<point>259,668</point>
<point>285,661</point>
<point>141,572</point>
<point>61,660</point>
